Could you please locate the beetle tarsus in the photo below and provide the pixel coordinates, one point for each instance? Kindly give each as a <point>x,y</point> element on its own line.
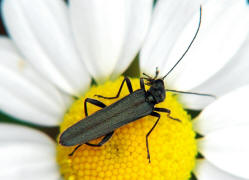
<point>148,157</point>
<point>72,153</point>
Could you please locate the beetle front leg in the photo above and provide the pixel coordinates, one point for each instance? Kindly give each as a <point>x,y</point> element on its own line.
<point>128,82</point>
<point>167,111</point>
<point>155,114</point>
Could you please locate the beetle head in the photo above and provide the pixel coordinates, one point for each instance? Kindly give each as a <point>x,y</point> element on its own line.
<point>157,89</point>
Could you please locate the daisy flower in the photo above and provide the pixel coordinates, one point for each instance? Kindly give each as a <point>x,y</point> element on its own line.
<point>54,49</point>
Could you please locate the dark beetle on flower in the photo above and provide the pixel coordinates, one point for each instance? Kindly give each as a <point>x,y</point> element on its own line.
<point>136,105</point>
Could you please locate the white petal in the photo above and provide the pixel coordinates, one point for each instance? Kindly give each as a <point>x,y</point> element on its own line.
<point>26,154</point>
<point>227,111</point>
<point>168,20</point>
<point>207,171</point>
<point>109,33</point>
<point>233,75</point>
<point>228,149</point>
<point>224,29</point>
<point>137,24</point>
<point>41,31</point>
<point>23,93</point>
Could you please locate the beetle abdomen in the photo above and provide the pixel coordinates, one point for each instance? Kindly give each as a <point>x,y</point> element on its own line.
<point>106,120</point>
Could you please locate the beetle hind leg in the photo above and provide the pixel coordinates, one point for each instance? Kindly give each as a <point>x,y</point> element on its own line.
<point>103,141</point>
<point>75,149</point>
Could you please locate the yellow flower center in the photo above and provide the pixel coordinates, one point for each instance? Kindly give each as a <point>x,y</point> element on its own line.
<point>172,144</point>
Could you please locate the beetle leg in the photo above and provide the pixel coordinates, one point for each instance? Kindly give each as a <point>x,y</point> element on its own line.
<point>71,154</point>
<point>155,114</point>
<point>94,102</point>
<point>166,111</point>
<point>128,82</point>
<point>103,141</point>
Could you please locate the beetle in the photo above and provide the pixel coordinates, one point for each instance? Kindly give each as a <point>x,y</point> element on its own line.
<point>137,104</point>
<point>134,106</point>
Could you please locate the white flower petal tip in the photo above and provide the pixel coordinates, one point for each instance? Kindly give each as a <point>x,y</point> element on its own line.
<point>109,33</point>
<point>227,111</point>
<point>26,153</point>
<point>223,30</point>
<point>206,171</point>
<point>226,132</point>
<point>24,94</point>
<point>228,149</point>
<point>41,31</point>
<point>232,76</point>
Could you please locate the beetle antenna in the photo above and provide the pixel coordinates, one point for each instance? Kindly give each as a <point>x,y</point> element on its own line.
<point>194,93</point>
<point>146,75</point>
<point>157,72</point>
<point>188,46</point>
